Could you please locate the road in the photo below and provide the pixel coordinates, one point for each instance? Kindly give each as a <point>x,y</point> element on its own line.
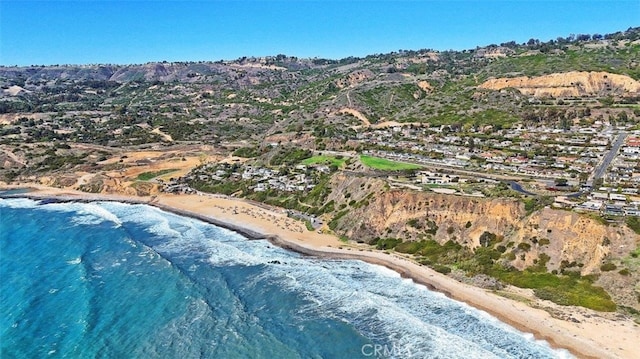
<point>606,160</point>
<point>429,165</point>
<point>518,188</point>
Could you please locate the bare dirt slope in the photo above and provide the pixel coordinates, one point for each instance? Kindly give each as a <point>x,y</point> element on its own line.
<point>357,114</point>
<point>569,84</point>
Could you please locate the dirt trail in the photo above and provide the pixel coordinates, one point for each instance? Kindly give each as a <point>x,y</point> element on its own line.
<point>166,137</point>
<point>357,114</point>
<point>14,157</point>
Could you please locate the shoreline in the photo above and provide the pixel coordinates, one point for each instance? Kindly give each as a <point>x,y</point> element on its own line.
<point>604,335</point>
<point>250,234</point>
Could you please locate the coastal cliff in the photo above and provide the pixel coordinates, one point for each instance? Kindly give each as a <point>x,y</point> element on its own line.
<point>551,240</point>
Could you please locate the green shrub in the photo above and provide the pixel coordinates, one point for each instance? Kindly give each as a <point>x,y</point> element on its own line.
<point>414,223</point>
<point>308,225</point>
<point>328,207</point>
<point>411,247</point>
<point>587,296</point>
<point>334,221</point>
<point>488,239</point>
<point>247,152</point>
<point>482,261</point>
<point>424,261</point>
<point>432,227</point>
<point>524,246</point>
<point>535,203</point>
<point>325,160</point>
<point>441,269</point>
<point>541,263</point>
<point>290,156</point>
<point>608,267</point>
<point>624,271</point>
<point>633,222</point>
<point>387,243</point>
<point>562,289</point>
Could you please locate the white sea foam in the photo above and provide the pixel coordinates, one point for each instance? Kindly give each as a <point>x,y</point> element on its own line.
<point>186,234</point>
<point>377,300</point>
<point>18,203</point>
<point>85,213</point>
<point>419,322</point>
<point>163,228</point>
<point>383,306</point>
<point>86,220</point>
<point>156,221</point>
<point>94,209</point>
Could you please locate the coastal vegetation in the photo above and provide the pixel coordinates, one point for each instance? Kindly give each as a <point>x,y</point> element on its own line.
<point>289,156</point>
<point>565,289</point>
<point>247,152</point>
<point>337,161</point>
<point>634,223</point>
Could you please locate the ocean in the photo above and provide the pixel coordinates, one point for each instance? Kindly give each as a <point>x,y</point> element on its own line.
<point>115,280</point>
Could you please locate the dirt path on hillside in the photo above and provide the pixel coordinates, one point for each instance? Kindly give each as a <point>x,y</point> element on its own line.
<point>357,114</point>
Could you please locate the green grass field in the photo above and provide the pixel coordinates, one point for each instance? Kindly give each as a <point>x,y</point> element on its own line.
<point>324,160</point>
<point>386,165</point>
<point>145,176</point>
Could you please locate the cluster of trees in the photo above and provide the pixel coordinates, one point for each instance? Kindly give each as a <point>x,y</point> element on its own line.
<point>15,107</point>
<point>247,152</point>
<point>290,156</point>
<point>630,34</point>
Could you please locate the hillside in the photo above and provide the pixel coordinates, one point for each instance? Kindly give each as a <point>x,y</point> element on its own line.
<point>559,241</point>
<point>569,84</point>
<point>514,161</point>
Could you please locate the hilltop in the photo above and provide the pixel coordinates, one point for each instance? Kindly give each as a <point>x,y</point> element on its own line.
<point>279,94</point>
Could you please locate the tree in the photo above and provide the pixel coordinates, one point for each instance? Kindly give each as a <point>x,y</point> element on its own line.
<point>471,143</point>
<point>598,183</point>
<point>560,182</point>
<point>622,117</point>
<point>565,124</point>
<point>583,37</point>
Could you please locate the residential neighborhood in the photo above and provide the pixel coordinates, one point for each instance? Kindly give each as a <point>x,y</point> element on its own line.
<point>593,168</point>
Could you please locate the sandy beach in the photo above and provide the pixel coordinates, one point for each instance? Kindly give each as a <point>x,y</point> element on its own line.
<point>585,333</point>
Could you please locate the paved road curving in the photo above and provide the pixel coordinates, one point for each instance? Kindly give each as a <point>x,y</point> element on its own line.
<point>606,160</point>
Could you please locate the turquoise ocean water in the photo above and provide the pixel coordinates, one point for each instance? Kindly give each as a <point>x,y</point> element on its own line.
<point>114,280</point>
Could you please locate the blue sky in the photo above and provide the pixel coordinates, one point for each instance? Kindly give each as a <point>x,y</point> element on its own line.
<point>121,32</point>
